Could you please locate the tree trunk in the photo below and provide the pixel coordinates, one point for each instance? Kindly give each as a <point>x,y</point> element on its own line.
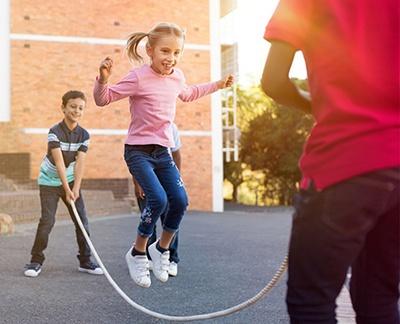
<point>235,194</point>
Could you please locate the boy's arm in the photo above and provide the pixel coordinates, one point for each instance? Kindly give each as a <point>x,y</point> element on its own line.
<point>139,193</point>
<point>176,155</point>
<point>78,173</point>
<point>59,161</point>
<point>275,80</point>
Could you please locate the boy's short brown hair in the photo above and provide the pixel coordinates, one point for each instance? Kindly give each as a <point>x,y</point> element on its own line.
<point>72,94</point>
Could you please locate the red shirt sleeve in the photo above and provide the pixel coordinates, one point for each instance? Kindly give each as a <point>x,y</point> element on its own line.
<point>290,23</point>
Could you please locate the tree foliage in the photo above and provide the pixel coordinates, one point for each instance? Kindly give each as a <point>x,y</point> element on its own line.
<point>272,139</point>
<point>273,144</point>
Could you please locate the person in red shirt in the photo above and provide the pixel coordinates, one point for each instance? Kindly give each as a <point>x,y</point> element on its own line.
<point>347,212</point>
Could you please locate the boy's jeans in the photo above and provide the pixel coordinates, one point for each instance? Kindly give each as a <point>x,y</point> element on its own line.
<point>161,182</point>
<point>173,247</point>
<point>353,223</point>
<point>49,197</point>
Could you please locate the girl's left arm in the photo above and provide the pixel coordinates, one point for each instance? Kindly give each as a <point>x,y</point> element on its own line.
<point>194,92</point>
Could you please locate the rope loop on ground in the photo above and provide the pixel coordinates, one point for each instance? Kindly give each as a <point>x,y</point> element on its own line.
<point>262,293</point>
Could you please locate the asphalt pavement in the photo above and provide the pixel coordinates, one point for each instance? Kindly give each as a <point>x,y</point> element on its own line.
<point>226,258</point>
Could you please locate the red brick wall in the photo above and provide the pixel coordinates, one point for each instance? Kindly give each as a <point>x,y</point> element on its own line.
<point>91,18</point>
<point>42,71</point>
<point>196,171</point>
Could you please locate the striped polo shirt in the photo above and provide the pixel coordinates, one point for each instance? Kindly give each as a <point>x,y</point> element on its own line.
<point>70,142</point>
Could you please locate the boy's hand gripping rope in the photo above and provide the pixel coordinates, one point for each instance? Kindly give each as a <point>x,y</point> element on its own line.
<point>262,293</point>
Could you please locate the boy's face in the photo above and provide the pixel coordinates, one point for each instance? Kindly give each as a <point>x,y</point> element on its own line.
<point>73,110</point>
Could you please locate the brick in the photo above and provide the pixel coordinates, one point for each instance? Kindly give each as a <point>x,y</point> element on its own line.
<point>43,71</point>
<point>97,18</point>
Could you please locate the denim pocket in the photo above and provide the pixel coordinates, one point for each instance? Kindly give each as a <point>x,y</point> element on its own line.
<point>350,207</point>
<point>374,182</point>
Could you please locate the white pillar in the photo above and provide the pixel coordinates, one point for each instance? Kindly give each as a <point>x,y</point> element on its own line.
<point>5,77</point>
<point>216,118</point>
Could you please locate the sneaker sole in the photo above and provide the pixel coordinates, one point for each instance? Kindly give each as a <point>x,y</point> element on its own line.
<point>31,273</point>
<point>92,272</point>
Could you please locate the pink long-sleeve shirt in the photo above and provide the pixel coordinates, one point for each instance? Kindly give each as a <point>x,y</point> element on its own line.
<point>152,101</point>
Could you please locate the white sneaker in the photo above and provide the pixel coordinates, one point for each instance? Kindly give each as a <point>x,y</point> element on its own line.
<point>150,265</point>
<point>33,269</point>
<point>160,262</point>
<point>173,269</point>
<point>138,269</point>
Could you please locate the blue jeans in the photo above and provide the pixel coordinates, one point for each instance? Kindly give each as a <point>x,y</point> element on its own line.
<point>49,197</point>
<point>353,223</point>
<point>173,247</point>
<point>157,174</point>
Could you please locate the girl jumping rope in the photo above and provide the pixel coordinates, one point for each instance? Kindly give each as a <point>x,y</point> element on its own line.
<point>152,91</point>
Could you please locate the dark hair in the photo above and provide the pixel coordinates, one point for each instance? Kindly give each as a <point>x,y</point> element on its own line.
<point>153,35</point>
<point>72,94</point>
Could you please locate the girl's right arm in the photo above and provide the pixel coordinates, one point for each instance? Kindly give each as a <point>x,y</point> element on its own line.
<point>104,94</point>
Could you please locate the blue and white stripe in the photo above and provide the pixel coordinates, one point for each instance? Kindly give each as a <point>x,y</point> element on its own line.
<point>72,147</point>
<point>51,137</point>
<point>48,167</point>
<point>49,176</point>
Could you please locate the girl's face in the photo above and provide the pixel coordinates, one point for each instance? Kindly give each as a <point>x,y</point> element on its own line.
<point>165,54</point>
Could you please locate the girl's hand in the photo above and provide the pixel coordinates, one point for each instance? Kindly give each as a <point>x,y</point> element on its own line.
<point>105,69</point>
<point>226,82</point>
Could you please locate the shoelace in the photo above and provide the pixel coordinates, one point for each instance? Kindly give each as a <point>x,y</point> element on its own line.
<point>90,265</point>
<point>93,265</point>
<point>30,266</point>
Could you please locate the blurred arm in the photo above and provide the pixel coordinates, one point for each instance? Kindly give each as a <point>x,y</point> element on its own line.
<point>275,80</point>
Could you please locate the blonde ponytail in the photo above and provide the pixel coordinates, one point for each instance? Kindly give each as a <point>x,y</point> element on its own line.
<point>132,45</point>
